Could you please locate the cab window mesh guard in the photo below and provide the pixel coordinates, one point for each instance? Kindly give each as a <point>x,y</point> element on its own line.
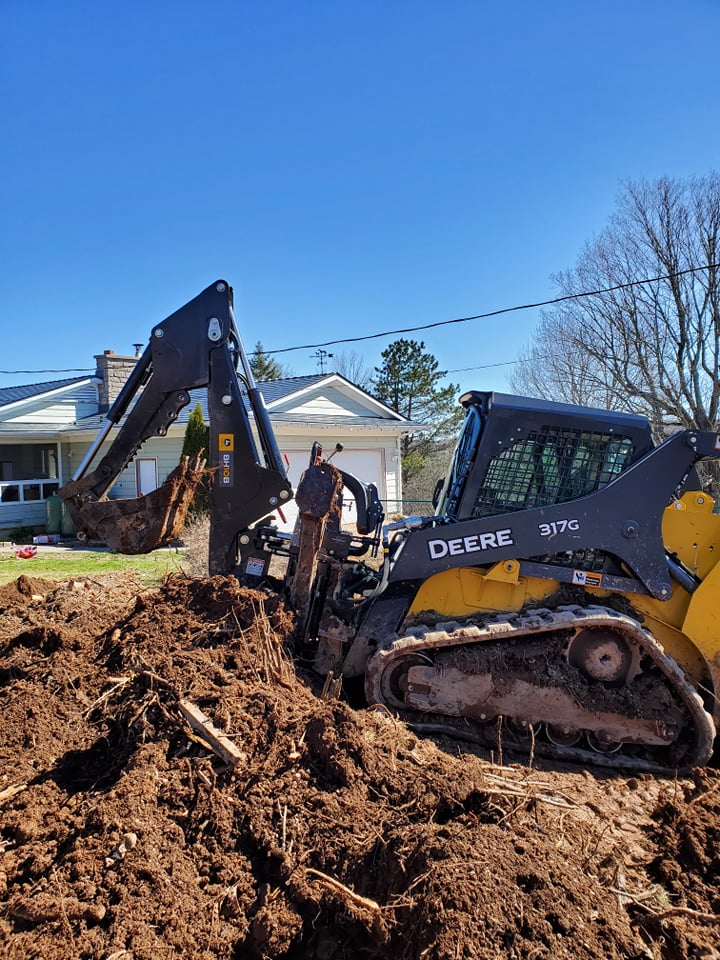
<point>552,465</point>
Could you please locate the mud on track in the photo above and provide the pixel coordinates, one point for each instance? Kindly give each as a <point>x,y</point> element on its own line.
<point>338,834</point>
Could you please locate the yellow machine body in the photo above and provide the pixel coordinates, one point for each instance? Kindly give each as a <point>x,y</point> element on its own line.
<point>687,625</point>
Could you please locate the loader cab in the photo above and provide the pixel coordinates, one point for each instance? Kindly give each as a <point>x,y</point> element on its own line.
<point>516,453</point>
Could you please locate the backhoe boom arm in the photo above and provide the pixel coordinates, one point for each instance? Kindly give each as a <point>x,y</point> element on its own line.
<point>198,346</point>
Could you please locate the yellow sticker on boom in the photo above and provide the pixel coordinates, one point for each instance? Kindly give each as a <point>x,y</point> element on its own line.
<point>226,441</point>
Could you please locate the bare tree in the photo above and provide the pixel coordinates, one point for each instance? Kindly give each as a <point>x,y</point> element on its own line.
<point>352,366</point>
<point>653,347</point>
<point>558,366</point>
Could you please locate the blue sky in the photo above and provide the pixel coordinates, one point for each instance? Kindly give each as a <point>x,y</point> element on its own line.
<point>349,167</point>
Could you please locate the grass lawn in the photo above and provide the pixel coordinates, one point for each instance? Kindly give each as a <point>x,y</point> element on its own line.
<point>66,564</point>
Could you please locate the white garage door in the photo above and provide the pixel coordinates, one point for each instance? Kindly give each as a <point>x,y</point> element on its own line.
<point>367,465</point>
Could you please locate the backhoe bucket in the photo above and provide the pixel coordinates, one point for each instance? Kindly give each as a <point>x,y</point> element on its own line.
<point>141,524</point>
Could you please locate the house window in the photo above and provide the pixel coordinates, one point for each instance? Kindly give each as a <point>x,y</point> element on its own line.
<point>146,478</point>
<point>9,493</point>
<point>28,461</point>
<point>27,491</point>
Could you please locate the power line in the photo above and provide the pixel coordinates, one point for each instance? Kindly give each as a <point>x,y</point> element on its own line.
<point>487,366</point>
<point>503,310</point>
<point>67,370</point>
<point>444,323</point>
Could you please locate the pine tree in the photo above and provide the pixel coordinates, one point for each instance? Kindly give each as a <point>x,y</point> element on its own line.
<point>197,440</point>
<point>196,434</point>
<point>409,382</point>
<point>264,367</point>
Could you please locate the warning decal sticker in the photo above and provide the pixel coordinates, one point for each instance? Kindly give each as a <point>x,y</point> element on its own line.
<point>587,579</point>
<point>255,567</point>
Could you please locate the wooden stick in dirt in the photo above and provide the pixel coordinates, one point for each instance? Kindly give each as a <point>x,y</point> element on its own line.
<point>698,915</point>
<point>215,739</point>
<point>9,792</point>
<point>379,926</point>
<point>353,897</point>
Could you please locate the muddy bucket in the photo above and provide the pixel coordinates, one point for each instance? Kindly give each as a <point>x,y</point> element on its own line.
<point>144,523</point>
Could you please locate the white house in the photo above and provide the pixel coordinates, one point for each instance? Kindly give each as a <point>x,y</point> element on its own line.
<point>46,429</point>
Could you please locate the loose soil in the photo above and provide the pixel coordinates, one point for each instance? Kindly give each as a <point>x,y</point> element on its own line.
<point>337,834</point>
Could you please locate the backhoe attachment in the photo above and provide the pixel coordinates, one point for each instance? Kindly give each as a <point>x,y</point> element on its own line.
<point>198,346</point>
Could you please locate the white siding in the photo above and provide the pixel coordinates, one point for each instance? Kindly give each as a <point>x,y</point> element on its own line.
<point>325,402</point>
<point>71,458</point>
<point>166,451</point>
<point>21,515</point>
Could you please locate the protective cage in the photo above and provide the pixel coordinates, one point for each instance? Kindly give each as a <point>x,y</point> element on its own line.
<point>552,465</point>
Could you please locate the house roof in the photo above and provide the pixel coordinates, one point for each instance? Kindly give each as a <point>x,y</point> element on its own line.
<point>15,394</point>
<point>274,390</point>
<point>281,397</point>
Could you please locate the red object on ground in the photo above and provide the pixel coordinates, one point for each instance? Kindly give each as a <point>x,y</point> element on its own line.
<point>26,553</point>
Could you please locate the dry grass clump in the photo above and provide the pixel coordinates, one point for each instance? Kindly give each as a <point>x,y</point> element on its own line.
<point>195,538</point>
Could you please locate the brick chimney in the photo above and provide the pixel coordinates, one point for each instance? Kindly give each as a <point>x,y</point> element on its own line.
<point>112,371</point>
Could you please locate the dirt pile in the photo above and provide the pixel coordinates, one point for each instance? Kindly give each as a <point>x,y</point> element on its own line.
<point>336,834</point>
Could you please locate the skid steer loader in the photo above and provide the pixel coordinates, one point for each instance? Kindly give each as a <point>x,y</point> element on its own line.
<point>563,598</point>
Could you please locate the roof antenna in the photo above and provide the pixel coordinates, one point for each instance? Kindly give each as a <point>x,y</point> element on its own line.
<point>321,356</point>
